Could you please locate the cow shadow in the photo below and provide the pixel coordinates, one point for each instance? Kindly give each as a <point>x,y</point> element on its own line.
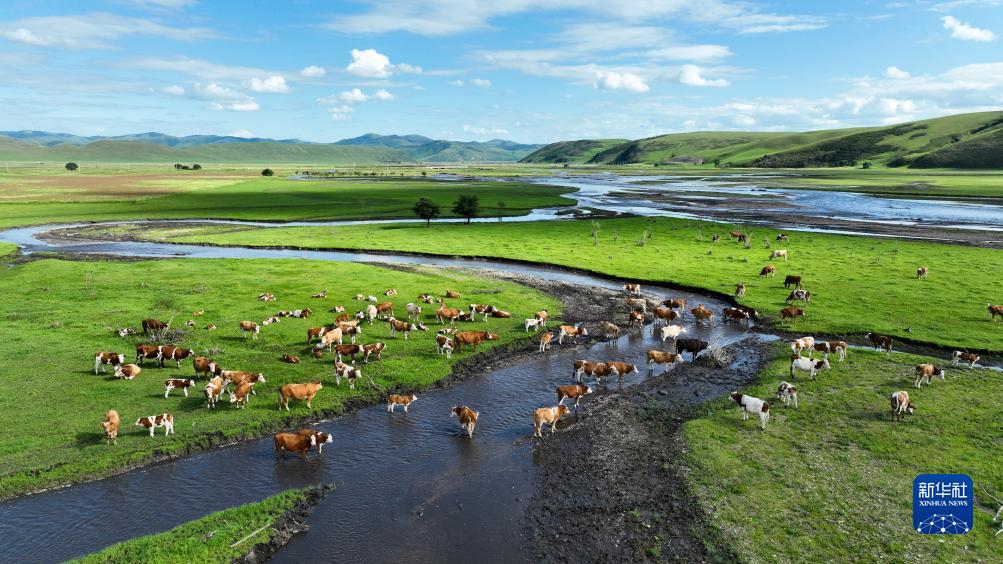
<point>89,438</point>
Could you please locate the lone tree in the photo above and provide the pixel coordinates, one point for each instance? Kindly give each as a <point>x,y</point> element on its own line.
<point>267,172</point>
<point>196,166</point>
<point>71,166</point>
<point>426,209</point>
<point>501,209</point>
<point>467,206</point>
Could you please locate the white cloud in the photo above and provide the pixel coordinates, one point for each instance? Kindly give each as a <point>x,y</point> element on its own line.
<point>896,73</point>
<point>241,133</point>
<point>173,90</point>
<point>409,69</point>
<point>744,120</point>
<point>161,4</point>
<point>456,82</point>
<point>353,96</point>
<point>965,32</point>
<point>690,75</point>
<point>245,106</point>
<point>215,106</point>
<point>206,70</point>
<point>691,53</point>
<point>213,91</point>
<point>620,81</point>
<point>484,130</point>
<point>369,63</point>
<point>482,82</point>
<point>96,30</point>
<point>275,84</point>
<point>341,113</point>
<point>383,95</point>
<point>313,71</point>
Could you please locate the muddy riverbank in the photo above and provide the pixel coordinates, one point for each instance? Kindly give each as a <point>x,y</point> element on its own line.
<point>290,523</point>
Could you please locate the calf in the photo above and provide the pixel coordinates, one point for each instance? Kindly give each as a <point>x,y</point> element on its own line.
<point>548,416</point>
<point>249,327</point>
<point>768,271</point>
<point>901,405</point>
<point>206,366</point>
<point>880,341</point>
<point>147,352</point>
<point>533,324</point>
<point>573,391</point>
<point>372,349</point>
<point>404,327</point>
<point>266,297</point>
<point>177,383</point>
<point>545,340</point>
<point>791,313</point>
<point>241,395</point>
<point>672,331</point>
<point>739,290</point>
<point>298,392</point>
<point>692,346</point>
<point>177,354</point>
<point>347,371</point>
<point>110,425</point>
<point>779,253</point>
<point>102,359</point>
<point>443,345</point>
<point>290,359</point>
<point>293,442</point>
<point>165,420</point>
<point>970,358</point>
<point>347,350</point>
<point>394,400</point>
<point>322,438</point>
<point>632,289</point>
<point>573,331</point>
<point>808,365</point>
<point>791,280</point>
<point>753,405</point>
<point>994,311</point>
<point>922,272</point>
<point>661,357</point>
<point>927,372</point>
<point>452,295</point>
<point>788,393</point>
<point>468,418</point>
<point>320,295</point>
<point>127,371</point>
<point>212,391</point>
<point>798,296</point>
<point>472,338</point>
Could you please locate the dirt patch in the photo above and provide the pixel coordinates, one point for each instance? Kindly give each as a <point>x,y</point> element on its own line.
<point>612,487</point>
<point>290,523</point>
<point>74,187</point>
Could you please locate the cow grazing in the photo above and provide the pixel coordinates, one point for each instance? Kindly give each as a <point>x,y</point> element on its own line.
<point>735,314</point>
<point>927,372</point>
<point>791,280</point>
<point>206,366</point>
<point>127,371</point>
<point>413,311</point>
<point>393,400</point>
<point>788,393</point>
<point>735,234</point>
<point>545,340</point>
<point>110,426</point>
<point>802,344</point>
<point>289,359</point>
<point>880,341</point>
<point>347,350</point>
<point>294,442</point>
<point>782,237</point>
<point>102,359</point>
<point>634,289</point>
<point>472,338</point>
<point>701,313</point>
<point>994,311</point>
<point>922,272</point>
<point>468,418</point>
<point>444,345</point>
<point>739,290</point>
<point>372,349</point>
<point>572,391</point>
<point>548,416</point>
<point>249,327</point>
<point>452,295</point>
<point>808,365</point>
<point>672,331</point>
<point>148,352</point>
<point>320,295</point>
<point>661,357</point>
<point>154,326</point>
<point>239,397</point>
<point>177,383</point>
<point>573,331</point>
<point>299,392</point>
<point>322,438</point>
<point>404,327</point>
<point>803,296</point>
<point>165,420</point>
<point>753,405</point>
<point>970,358</point>
<point>177,354</point>
<point>768,271</point>
<point>901,405</point>
<point>779,253</point>
<point>791,313</point>
<point>692,346</point>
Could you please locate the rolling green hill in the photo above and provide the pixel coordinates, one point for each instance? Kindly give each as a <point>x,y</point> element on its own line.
<point>972,140</point>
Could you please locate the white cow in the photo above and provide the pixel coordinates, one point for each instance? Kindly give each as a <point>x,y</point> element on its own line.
<point>813,367</point>
<point>672,331</point>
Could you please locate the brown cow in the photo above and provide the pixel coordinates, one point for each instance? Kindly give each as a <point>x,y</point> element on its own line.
<point>372,349</point>
<point>622,369</point>
<point>152,326</point>
<point>468,418</point>
<point>545,340</point>
<point>177,354</point>
<point>239,378</point>
<point>452,295</point>
<point>611,330</point>
<point>330,337</point>
<point>927,372</point>
<point>206,366</point>
<point>240,396</point>
<point>212,391</point>
<point>249,327</point>
<point>347,350</point>
<point>636,318</point>
<point>970,358</point>
<point>791,280</point>
<point>322,438</point>
<point>665,314</point>
<point>127,371</point>
<point>597,370</point>
<point>110,426</point>
<point>572,391</point>
<point>443,313</point>
<point>342,317</point>
<point>102,359</point>
<point>735,314</point>
<point>735,234</point>
<point>290,358</point>
<point>548,416</point>
<point>571,331</point>
<point>385,308</point>
<point>994,311</point>
<point>177,383</point>
<point>473,338</point>
<point>901,405</point>
<point>790,313</point>
<point>316,333</point>
<point>147,352</point>
<point>404,327</point>
<point>294,442</point>
<point>393,400</point>
<point>501,314</point>
<point>880,341</point>
<point>768,271</point>
<point>660,357</point>
<point>701,313</point>
<point>299,392</point>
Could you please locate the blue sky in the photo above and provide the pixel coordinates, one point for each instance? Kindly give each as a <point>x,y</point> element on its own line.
<point>531,71</point>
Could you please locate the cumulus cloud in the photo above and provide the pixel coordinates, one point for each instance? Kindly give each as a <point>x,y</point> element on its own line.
<point>897,73</point>
<point>173,90</point>
<point>620,81</point>
<point>341,113</point>
<point>963,31</point>
<point>213,91</point>
<point>690,75</point>
<point>481,82</point>
<point>313,71</point>
<point>96,30</point>
<point>383,95</point>
<point>370,63</point>
<point>275,84</point>
<point>353,96</point>
<point>456,82</point>
<point>245,106</point>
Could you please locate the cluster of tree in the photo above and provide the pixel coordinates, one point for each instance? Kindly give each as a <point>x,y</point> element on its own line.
<point>467,206</point>
<point>71,167</point>
<point>179,166</point>
<point>267,172</point>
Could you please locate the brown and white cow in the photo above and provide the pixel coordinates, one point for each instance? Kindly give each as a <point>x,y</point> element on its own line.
<point>102,359</point>
<point>330,337</point>
<point>212,391</point>
<point>210,327</point>
<point>632,289</point>
<point>165,420</point>
<point>970,358</point>
<point>994,311</point>
<point>572,391</point>
<point>316,333</point>
<point>249,327</point>
<point>444,313</point>
<point>701,313</point>
<point>322,438</point>
<point>622,369</point>
<point>880,341</point>
<point>154,326</point>
<point>351,351</point>
<point>791,280</point>
<point>779,253</point>
<point>768,271</point>
<point>611,331</point>
<point>177,383</point>
<point>735,314</point>
<point>239,377</point>
<point>548,416</point>
<point>803,296</point>
<point>444,345</point>
<point>636,318</point>
<point>127,371</point>
<point>289,359</point>
<point>472,338</point>
<point>812,367</point>
<point>206,366</point>
<point>926,372</point>
<point>177,354</point>
<point>294,442</point>
<point>299,392</point>
<point>452,295</point>
<point>147,352</point>
<point>110,425</point>
<point>240,396</point>
<point>320,295</point>
<point>573,331</point>
<point>788,393</point>
<point>266,297</point>
<point>661,357</point>
<point>802,344</point>
<point>671,331</point>
<point>636,303</point>
<point>675,303</point>
<point>404,327</point>
<point>901,405</point>
<point>393,400</point>
<point>753,405</point>
<point>373,349</point>
<point>922,272</point>
<point>665,314</point>
<point>791,313</point>
<point>482,309</point>
<point>545,340</point>
<point>468,418</point>
<point>597,370</point>
<point>385,309</point>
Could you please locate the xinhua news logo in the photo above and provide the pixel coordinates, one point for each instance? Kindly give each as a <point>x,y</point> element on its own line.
<point>942,504</point>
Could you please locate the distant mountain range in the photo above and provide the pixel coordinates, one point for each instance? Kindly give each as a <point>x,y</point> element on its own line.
<point>158,147</point>
<point>971,141</point>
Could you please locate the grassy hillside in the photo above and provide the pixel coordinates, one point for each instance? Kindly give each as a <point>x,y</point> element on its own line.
<point>973,140</point>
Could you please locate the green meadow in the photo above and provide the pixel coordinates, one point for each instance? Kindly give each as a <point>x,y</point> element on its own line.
<point>67,310</point>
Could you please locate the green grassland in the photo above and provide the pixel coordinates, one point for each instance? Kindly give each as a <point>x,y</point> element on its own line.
<point>191,542</point>
<point>859,284</point>
<point>67,310</point>
<point>265,199</point>
<point>832,481</point>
